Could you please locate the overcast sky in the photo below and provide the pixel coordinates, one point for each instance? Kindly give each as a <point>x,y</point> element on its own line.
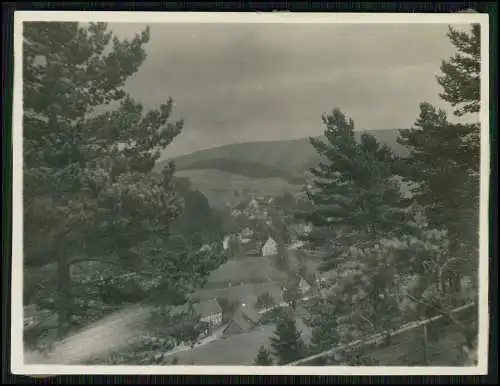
<point>254,82</point>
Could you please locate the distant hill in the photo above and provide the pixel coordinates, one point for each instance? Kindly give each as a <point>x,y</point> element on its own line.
<point>286,159</point>
<point>273,166</point>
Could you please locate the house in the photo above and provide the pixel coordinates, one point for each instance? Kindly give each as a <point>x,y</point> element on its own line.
<point>244,319</point>
<point>253,205</point>
<point>251,300</point>
<point>304,286</point>
<point>270,247</point>
<point>226,242</point>
<point>209,311</point>
<point>325,277</point>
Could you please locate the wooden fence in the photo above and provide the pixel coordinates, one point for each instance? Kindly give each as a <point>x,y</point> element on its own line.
<point>432,342</point>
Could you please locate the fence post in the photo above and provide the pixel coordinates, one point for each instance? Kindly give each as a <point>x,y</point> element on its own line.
<point>425,346</point>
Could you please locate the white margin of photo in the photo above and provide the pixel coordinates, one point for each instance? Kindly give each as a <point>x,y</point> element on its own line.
<point>17,362</point>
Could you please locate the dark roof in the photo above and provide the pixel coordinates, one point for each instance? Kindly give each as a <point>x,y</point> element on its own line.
<point>207,307</point>
<point>245,317</point>
<point>250,312</point>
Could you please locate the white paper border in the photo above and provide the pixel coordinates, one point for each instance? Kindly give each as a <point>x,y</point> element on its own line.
<point>17,365</point>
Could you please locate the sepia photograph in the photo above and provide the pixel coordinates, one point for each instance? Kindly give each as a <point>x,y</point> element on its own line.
<point>213,193</point>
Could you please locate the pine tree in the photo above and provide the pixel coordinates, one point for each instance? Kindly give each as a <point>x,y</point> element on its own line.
<point>287,343</point>
<point>89,149</point>
<point>461,73</point>
<point>444,161</point>
<point>356,203</point>
<point>263,357</point>
<point>354,199</point>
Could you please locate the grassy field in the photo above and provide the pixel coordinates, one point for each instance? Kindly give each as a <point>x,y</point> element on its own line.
<point>239,293</point>
<point>244,270</point>
<point>219,186</point>
<point>288,155</point>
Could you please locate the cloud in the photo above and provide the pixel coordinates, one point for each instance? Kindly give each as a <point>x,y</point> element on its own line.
<point>243,82</point>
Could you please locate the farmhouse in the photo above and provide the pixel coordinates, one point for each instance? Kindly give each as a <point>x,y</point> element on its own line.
<point>209,311</point>
<point>303,286</point>
<point>245,319</point>
<point>270,247</point>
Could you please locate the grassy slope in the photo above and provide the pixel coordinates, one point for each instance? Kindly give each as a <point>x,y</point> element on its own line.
<point>269,168</point>
<point>288,155</point>
<point>219,186</point>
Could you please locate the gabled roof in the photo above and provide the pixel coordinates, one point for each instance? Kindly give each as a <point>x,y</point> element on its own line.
<point>245,317</point>
<point>250,312</point>
<point>207,307</point>
<point>270,240</point>
<point>249,299</point>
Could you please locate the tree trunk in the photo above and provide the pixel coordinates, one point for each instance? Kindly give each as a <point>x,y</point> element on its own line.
<point>454,277</point>
<point>64,294</point>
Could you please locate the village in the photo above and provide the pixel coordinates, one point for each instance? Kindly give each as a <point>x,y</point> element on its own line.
<point>238,303</point>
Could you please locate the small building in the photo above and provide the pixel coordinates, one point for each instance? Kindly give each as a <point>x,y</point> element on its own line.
<point>325,277</point>
<point>244,319</point>
<point>270,247</point>
<point>304,286</point>
<point>209,311</point>
<point>226,242</point>
<point>254,204</point>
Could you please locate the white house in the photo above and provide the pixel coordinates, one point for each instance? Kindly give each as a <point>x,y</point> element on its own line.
<point>304,286</point>
<point>225,242</point>
<point>270,247</point>
<point>253,205</point>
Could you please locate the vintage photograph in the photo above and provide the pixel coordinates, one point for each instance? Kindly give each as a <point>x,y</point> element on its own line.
<point>263,192</point>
